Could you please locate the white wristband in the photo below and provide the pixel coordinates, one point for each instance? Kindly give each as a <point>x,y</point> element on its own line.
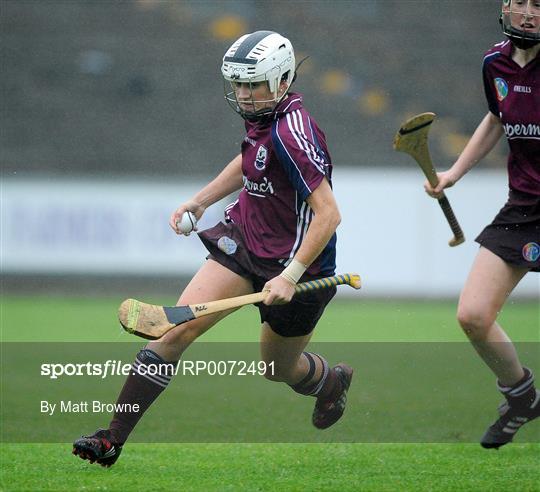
<point>293,271</point>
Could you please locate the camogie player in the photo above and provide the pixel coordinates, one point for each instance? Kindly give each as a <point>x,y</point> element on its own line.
<point>510,245</point>
<point>280,230</point>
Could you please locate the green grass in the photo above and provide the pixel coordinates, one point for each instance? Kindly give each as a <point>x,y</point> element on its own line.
<point>335,465</point>
<point>84,320</point>
<point>292,467</point>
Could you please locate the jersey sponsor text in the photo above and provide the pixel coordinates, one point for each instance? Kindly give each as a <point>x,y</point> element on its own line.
<point>520,130</point>
<point>262,187</point>
<point>522,88</point>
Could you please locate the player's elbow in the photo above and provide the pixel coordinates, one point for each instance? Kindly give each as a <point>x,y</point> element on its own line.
<point>337,219</point>
<point>326,220</point>
<point>333,219</point>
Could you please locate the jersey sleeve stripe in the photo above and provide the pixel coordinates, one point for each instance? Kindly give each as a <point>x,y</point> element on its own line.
<point>488,58</point>
<point>297,99</point>
<point>304,218</point>
<point>301,139</point>
<point>299,229</point>
<point>288,162</point>
<point>297,118</point>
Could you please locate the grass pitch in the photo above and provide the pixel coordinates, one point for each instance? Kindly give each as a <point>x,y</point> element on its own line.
<point>274,466</point>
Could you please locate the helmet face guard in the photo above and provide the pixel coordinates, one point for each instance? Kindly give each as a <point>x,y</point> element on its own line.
<point>520,21</point>
<point>260,57</point>
<point>266,106</point>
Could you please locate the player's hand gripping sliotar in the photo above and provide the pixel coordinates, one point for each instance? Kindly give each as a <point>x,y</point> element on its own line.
<point>152,322</point>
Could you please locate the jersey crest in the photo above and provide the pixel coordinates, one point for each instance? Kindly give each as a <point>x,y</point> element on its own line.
<point>501,87</point>
<point>260,159</point>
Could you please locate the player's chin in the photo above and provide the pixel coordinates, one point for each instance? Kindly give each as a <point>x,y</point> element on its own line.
<point>246,107</point>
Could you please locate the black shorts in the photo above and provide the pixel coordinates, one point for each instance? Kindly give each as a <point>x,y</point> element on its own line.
<point>297,318</point>
<point>514,234</point>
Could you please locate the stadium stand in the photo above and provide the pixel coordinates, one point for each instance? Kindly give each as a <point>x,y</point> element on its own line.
<point>105,88</point>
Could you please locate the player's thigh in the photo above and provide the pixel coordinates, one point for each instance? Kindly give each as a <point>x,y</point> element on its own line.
<point>490,282</point>
<point>212,282</point>
<point>282,351</point>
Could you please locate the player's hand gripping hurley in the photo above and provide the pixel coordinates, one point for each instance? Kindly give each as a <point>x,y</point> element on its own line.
<point>152,322</point>
<point>412,139</point>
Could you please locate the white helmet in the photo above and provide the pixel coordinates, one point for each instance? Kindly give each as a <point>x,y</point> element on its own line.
<point>527,13</point>
<point>258,57</point>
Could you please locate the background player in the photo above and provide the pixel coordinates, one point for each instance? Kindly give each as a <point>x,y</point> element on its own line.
<point>510,245</point>
<point>280,230</point>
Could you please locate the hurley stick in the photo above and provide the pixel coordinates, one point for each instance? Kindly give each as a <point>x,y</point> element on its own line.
<point>152,322</point>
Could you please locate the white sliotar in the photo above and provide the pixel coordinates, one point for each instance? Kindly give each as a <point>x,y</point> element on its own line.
<point>187,223</point>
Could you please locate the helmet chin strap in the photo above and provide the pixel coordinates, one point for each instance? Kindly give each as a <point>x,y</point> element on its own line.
<point>521,43</point>
<point>261,115</point>
<point>257,116</point>
<point>264,114</point>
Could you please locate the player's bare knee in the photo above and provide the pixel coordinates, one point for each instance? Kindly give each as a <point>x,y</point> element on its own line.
<point>475,322</point>
<point>183,335</point>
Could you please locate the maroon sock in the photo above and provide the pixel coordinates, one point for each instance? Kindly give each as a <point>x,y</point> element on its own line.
<point>149,376</point>
<point>522,393</point>
<point>325,387</point>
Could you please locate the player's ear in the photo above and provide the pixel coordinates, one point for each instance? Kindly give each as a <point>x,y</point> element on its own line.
<point>283,86</point>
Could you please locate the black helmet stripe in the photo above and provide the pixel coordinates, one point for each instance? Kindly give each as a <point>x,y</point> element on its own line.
<point>247,45</point>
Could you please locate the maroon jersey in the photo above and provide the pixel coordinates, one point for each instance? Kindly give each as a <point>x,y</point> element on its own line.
<point>283,161</point>
<point>513,95</point>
